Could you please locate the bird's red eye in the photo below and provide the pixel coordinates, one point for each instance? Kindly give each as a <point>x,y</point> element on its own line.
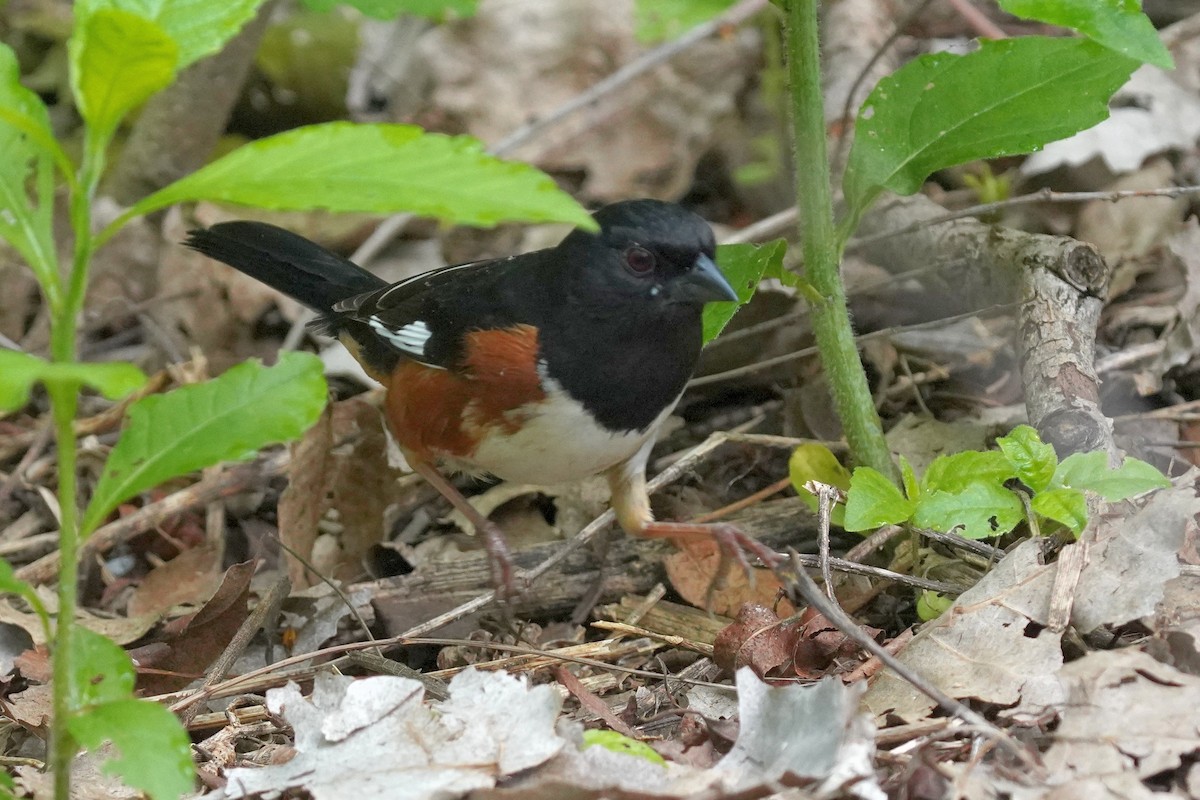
<point>639,260</point>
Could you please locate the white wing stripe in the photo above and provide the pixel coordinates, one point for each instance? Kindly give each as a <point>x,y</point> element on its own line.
<point>410,338</point>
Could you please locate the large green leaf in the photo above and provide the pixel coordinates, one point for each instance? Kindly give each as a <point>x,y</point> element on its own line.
<point>980,511</point>
<point>118,60</point>
<point>1033,459</point>
<point>873,501</point>
<point>193,427</point>
<point>198,27</point>
<point>1010,97</point>
<point>1090,472</point>
<point>743,266</point>
<point>155,751</point>
<point>341,166</point>
<point>1117,24</point>
<point>100,670</point>
<point>20,371</point>
<point>26,142</point>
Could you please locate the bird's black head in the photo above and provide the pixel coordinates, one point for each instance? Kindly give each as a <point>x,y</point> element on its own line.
<point>647,252</point>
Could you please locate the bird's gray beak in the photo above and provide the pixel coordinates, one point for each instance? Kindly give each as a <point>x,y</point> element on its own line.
<point>703,283</point>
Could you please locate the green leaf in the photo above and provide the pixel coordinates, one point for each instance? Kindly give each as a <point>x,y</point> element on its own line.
<point>101,671</point>
<point>20,371</point>
<point>390,9</point>
<point>1119,25</point>
<point>979,511</point>
<point>816,462</point>
<point>193,427</point>
<point>155,752</point>
<point>620,743</point>
<point>1033,459</point>
<point>118,60</point>
<point>11,584</point>
<point>931,605</point>
<point>873,501</point>
<point>908,477</point>
<point>744,266</point>
<point>198,27</point>
<point>657,20</point>
<point>1090,472</point>
<point>341,166</point>
<point>27,144</point>
<point>955,472</point>
<point>1008,98</point>
<point>1068,506</point>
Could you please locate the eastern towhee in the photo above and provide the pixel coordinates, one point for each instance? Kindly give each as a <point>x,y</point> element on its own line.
<point>541,368</point>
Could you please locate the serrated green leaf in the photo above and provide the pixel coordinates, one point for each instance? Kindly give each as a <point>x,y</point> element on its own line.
<point>193,427</point>
<point>341,166</point>
<point>979,511</point>
<point>956,471</point>
<point>658,20</point>
<point>155,752</point>
<point>743,266</point>
<point>198,27</point>
<point>1090,472</point>
<point>20,371</point>
<point>1033,459</point>
<point>27,143</point>
<point>816,462</point>
<point>118,60</point>
<point>1068,506</point>
<point>1008,98</point>
<point>620,743</point>
<point>931,605</point>
<point>101,671</point>
<point>873,501</point>
<point>436,10</point>
<point>1119,25</point>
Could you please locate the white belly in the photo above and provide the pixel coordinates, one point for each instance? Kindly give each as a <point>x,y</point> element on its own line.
<point>559,442</point>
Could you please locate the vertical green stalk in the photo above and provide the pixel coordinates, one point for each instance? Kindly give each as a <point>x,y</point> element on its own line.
<point>823,248</point>
<point>64,401</point>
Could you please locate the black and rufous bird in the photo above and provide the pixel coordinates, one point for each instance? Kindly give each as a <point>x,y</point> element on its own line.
<point>541,368</point>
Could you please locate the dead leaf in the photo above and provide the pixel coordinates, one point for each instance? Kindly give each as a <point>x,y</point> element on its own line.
<point>693,568</point>
<point>375,737</point>
<point>189,578</point>
<point>1125,712</point>
<point>756,639</point>
<point>196,641</point>
<point>305,500</point>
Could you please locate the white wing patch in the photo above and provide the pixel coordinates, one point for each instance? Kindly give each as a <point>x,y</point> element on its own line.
<point>410,338</point>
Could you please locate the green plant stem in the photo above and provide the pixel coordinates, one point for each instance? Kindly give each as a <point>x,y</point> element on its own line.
<point>63,399</point>
<point>823,248</point>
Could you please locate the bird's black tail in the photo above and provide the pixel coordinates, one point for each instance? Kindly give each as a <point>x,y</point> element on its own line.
<point>285,261</point>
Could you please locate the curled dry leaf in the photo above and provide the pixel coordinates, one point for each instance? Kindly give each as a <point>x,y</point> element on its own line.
<point>195,641</point>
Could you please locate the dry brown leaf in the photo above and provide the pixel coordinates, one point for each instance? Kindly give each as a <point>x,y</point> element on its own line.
<point>758,640</point>
<point>305,500</point>
<point>189,578</point>
<point>693,569</point>
<point>196,641</point>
